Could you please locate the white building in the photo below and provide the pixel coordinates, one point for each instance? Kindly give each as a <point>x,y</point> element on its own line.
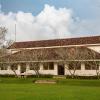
<point>55,57</point>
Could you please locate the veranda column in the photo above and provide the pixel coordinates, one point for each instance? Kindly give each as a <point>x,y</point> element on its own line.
<point>66,69</point>
<point>99,65</point>
<point>19,69</point>
<point>56,68</point>
<point>27,67</point>
<point>41,66</point>
<point>82,66</point>
<point>83,71</point>
<point>9,67</point>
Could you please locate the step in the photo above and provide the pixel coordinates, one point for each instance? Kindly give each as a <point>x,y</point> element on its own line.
<point>45,81</point>
<point>60,76</point>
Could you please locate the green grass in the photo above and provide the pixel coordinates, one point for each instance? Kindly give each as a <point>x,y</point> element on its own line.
<point>65,89</point>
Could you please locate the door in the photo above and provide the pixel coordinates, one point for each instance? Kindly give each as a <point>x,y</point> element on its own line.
<point>61,70</point>
<point>23,68</point>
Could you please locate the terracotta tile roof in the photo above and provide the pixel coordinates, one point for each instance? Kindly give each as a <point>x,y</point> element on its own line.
<point>57,42</point>
<point>65,53</point>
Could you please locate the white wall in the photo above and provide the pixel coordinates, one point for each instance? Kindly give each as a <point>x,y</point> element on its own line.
<point>9,72</point>
<point>95,48</point>
<point>42,71</point>
<point>81,72</point>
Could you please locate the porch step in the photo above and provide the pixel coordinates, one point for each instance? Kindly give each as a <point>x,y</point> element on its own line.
<point>45,81</point>
<point>60,76</point>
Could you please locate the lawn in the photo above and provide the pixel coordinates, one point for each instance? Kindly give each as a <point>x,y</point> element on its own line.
<point>65,89</point>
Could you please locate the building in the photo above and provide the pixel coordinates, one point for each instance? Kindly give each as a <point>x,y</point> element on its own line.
<point>78,56</point>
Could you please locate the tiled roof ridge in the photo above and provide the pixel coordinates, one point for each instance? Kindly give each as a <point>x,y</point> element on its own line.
<point>93,36</point>
<point>57,42</point>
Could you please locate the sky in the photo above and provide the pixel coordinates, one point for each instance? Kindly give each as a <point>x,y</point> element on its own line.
<point>50,19</point>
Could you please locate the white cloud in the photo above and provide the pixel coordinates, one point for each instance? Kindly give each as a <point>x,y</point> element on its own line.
<point>48,24</point>
<point>85,28</point>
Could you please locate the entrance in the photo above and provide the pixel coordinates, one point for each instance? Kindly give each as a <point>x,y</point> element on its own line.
<point>23,68</point>
<point>61,70</point>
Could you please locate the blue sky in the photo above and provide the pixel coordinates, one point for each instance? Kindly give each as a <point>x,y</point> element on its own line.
<point>82,8</point>
<point>86,12</point>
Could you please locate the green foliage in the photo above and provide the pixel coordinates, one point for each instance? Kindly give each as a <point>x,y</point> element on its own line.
<point>82,77</point>
<point>51,76</point>
<point>40,76</point>
<point>7,76</point>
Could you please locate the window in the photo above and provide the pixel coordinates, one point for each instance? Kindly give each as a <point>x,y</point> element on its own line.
<point>14,67</point>
<point>51,66</point>
<point>74,65</point>
<point>48,66</point>
<point>78,66</point>
<point>3,67</point>
<point>31,66</point>
<point>91,66</point>
<point>34,66</point>
<point>23,67</point>
<point>71,66</point>
<point>45,66</point>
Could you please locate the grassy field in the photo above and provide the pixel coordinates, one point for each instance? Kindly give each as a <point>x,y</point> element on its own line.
<point>65,89</point>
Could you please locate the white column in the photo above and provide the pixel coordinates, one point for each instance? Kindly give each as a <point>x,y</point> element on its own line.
<point>19,69</point>
<point>66,70</point>
<point>9,67</point>
<point>82,66</point>
<point>56,68</point>
<point>41,66</point>
<point>27,67</point>
<point>99,65</point>
<point>83,71</point>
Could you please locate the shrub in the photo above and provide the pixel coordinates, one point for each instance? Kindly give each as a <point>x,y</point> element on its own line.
<point>40,76</point>
<point>7,75</point>
<point>81,77</point>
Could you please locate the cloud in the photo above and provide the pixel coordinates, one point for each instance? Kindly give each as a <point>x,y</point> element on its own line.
<point>85,27</point>
<point>50,23</point>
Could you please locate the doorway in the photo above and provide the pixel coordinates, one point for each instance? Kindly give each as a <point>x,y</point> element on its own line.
<point>23,68</point>
<point>61,70</point>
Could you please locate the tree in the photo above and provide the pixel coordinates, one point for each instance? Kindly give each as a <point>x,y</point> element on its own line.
<point>3,32</point>
<point>32,57</point>
<point>13,67</point>
<point>3,51</point>
<point>69,55</point>
<point>36,67</point>
<point>74,55</point>
<point>94,63</point>
<point>4,54</point>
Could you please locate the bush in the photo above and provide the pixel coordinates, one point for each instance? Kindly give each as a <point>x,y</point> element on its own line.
<point>40,76</point>
<point>51,76</point>
<point>81,77</point>
<point>7,75</point>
